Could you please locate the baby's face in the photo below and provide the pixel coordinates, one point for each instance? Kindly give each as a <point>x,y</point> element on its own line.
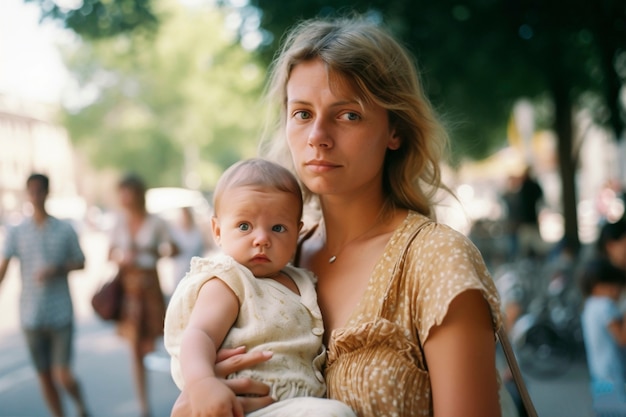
<point>258,227</point>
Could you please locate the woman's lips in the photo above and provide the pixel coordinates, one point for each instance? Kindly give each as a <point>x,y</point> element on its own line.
<point>320,165</point>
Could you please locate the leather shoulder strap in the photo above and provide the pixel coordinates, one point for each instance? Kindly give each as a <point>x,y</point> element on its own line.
<point>517,374</point>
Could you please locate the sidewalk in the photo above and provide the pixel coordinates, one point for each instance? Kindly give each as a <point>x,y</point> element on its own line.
<point>565,396</point>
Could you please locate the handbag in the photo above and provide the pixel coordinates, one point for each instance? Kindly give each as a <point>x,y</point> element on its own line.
<point>517,374</point>
<point>107,300</point>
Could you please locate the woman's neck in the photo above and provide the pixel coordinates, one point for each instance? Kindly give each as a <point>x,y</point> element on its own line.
<point>346,221</point>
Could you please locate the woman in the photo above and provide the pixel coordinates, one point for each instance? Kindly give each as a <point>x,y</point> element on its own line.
<point>409,308</point>
<point>138,240</point>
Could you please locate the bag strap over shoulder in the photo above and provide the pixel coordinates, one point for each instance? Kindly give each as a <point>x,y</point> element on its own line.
<point>517,374</point>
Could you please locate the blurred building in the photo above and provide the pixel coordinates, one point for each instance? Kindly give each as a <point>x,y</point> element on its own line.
<point>31,140</point>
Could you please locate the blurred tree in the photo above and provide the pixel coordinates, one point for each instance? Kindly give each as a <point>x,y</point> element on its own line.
<point>479,56</point>
<point>177,105</point>
<point>100,18</point>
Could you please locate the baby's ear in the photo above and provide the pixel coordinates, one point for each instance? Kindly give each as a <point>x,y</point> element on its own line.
<point>215,228</point>
<point>300,226</point>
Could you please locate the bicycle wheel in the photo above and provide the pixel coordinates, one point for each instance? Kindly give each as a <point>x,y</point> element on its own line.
<point>544,353</point>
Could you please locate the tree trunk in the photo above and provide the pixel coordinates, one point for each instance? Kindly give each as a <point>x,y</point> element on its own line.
<point>567,163</point>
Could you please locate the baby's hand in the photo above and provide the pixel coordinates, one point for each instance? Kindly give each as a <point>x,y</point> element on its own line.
<point>210,397</point>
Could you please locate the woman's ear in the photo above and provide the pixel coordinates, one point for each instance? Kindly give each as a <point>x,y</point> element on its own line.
<point>394,141</point>
<point>215,228</point>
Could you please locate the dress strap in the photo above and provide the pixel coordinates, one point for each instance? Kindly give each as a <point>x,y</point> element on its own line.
<point>395,275</point>
<point>391,292</point>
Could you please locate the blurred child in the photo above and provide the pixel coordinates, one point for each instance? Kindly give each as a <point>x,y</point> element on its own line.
<point>604,332</point>
<point>250,296</point>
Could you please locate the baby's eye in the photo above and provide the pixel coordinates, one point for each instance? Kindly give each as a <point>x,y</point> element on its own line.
<point>278,228</point>
<point>244,227</point>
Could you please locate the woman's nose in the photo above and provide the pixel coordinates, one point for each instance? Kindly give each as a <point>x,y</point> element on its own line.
<point>319,135</point>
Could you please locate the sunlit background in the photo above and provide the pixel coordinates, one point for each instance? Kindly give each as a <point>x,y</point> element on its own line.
<point>30,64</point>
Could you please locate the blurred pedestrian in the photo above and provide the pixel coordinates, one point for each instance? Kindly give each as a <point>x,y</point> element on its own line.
<point>48,249</point>
<point>530,244</point>
<point>510,197</point>
<point>137,241</point>
<point>190,242</point>
<point>604,331</point>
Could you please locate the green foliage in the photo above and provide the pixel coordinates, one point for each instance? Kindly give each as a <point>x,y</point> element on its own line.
<point>101,18</point>
<point>181,101</point>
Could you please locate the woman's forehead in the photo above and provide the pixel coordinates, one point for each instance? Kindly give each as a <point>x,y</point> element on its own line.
<point>340,84</point>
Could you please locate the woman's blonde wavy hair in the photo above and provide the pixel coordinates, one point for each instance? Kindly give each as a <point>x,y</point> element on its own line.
<point>381,71</point>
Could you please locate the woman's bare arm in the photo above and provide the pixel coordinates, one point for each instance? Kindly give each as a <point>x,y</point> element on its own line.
<point>460,353</point>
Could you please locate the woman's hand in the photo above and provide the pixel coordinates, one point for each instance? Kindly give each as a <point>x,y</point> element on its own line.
<point>252,395</point>
<point>222,401</point>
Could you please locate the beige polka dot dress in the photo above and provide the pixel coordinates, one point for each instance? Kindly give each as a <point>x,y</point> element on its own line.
<point>375,364</point>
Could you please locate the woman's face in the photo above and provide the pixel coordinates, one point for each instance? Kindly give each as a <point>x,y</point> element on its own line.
<point>338,146</point>
<point>128,198</point>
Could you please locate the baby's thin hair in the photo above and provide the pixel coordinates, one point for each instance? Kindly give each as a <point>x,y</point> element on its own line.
<point>257,172</point>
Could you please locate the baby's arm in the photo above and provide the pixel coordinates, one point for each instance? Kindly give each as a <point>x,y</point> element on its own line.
<point>213,314</point>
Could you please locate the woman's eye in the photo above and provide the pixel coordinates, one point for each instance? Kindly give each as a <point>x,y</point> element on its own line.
<point>302,114</point>
<point>351,116</point>
<point>278,228</point>
<point>244,227</point>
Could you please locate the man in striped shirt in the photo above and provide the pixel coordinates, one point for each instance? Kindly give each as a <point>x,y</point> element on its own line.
<point>48,249</point>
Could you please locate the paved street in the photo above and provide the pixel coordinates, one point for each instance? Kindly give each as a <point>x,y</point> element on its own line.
<point>103,362</point>
<point>103,366</point>
<point>565,396</point>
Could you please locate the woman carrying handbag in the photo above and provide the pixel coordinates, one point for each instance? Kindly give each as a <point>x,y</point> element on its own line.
<point>138,240</point>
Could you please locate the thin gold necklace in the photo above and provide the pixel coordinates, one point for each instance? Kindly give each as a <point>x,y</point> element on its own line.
<point>333,258</point>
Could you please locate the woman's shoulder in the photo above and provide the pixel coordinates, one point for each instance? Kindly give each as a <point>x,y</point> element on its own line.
<point>434,232</point>
<point>416,224</point>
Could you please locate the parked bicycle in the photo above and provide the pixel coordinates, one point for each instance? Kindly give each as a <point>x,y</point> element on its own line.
<point>546,336</point>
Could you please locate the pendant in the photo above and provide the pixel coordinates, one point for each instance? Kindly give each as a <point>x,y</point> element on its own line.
<point>332,259</point>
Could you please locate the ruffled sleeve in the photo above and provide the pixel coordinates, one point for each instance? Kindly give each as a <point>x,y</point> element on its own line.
<point>447,264</point>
